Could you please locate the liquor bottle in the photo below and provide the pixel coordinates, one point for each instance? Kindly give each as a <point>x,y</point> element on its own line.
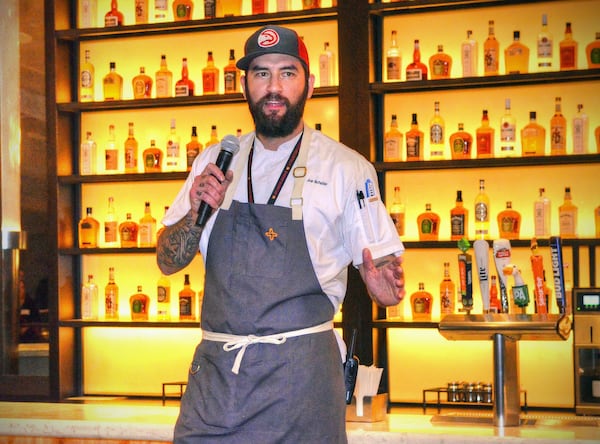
<point>128,233</point>
<point>437,134</point>
<point>393,142</point>
<point>231,75</point>
<point>163,298</point>
<point>187,301</point>
<point>88,11</point>
<point>142,85</point>
<point>210,9</point>
<point>111,296</point>
<point>88,230</point>
<point>114,17</point>
<point>508,131</point>
<point>184,86</point>
<point>421,303</point>
<point>568,50</point>
<point>173,152</point>
<point>326,66</point>
<point>139,303</point>
<point>214,139</point>
<point>416,70</point>
<point>259,6</point>
<point>397,212</point>
<point>542,215</point>
<point>414,141</point>
<point>161,9</point>
<point>210,76</point>
<point>112,84</point>
<point>461,143</point>
<point>597,221</point>
<point>581,131</point>
<point>164,79</point>
<point>468,55</point>
<point>183,10</point>
<point>192,148</point>
<point>484,136</point>
<point>428,224</point>
<point>147,228</point>
<point>495,306</point>
<point>311,4</point>
<point>482,212</point>
<point>544,47</point>
<point>516,56</point>
<point>592,52</point>
<point>152,157</point>
<point>567,217</point>
<point>86,79</point>
<point>131,152</point>
<point>459,219</point>
<point>558,130</point>
<point>533,137</point>
<point>111,228</point>
<point>447,292</point>
<point>87,160</point>
<point>89,299</point>
<point>111,152</point>
<point>509,222</point>
<point>141,11</point>
<point>284,5</point>
<point>393,59</point>
<point>491,53</point>
<point>440,64</point>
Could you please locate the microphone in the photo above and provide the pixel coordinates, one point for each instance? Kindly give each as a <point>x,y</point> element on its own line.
<point>230,145</point>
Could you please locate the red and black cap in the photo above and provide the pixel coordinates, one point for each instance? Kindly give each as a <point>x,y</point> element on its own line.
<point>273,40</point>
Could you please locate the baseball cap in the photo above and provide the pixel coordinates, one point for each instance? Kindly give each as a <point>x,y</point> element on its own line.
<point>273,39</point>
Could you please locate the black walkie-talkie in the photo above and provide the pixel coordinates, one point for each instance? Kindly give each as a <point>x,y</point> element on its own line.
<point>351,369</point>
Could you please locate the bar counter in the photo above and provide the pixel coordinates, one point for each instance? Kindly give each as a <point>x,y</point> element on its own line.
<point>70,423</point>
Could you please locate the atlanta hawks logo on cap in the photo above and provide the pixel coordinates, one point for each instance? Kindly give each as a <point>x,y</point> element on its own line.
<point>268,38</point>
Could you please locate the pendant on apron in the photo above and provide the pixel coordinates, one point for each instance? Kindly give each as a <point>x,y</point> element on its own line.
<point>271,234</point>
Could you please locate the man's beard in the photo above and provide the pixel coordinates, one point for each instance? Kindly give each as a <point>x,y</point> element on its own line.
<point>271,125</point>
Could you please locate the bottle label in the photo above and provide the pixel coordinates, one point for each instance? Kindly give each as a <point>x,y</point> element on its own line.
<point>87,80</point>
<point>172,152</point>
<point>595,56</point>
<point>484,143</point>
<point>481,212</point>
<point>181,12</point>
<point>508,224</point>
<point>457,225</point>
<point>162,86</point>
<point>182,90</point>
<point>110,232</point>
<point>557,138</point>
<point>185,305</point>
<point>392,149</point>
<point>111,159</point>
<point>139,88</point>
<point>398,219</point>
<point>413,147</point>
<point>414,74</point>
<point>209,83</point>
<point>130,160</point>
<point>567,223</point>
<point>163,294</point>
<point>231,83</point>
<point>460,146</point>
<point>436,133</point>
<point>507,132</point>
<point>138,306</point>
<point>111,20</point>
<point>427,226</point>
<point>490,61</point>
<point>568,57</point>
<point>393,68</point>
<point>544,47</point>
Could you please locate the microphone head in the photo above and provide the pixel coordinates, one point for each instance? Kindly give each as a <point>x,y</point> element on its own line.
<point>231,144</point>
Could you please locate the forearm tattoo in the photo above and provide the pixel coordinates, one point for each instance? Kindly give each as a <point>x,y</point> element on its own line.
<point>178,244</point>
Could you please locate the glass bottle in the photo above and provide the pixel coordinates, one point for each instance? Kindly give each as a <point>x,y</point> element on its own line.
<point>544,47</point>
<point>161,9</point>
<point>173,151</point>
<point>192,148</point>
<point>214,138</point>
<point>87,12</point>
<point>447,292</point>
<point>393,142</point>
<point>484,136</point>
<point>152,157</point>
<point>421,303</point>
<point>259,6</point>
<point>397,212</point>
<point>393,59</point>
<point>111,237</point>
<point>414,141</point>
<point>495,306</point>
<point>86,79</point>
<point>139,303</point>
<point>147,228</point>
<point>508,131</point>
<point>568,50</point>
<point>437,134</point>
<point>112,84</point>
<point>592,52</point>
<point>142,85</point>
<point>533,137</point>
<point>468,55</point>
<point>184,86</point>
<point>461,143</point>
<point>459,219</point>
<point>542,215</point>
<point>187,301</point>
<point>284,5</point>
<point>558,130</point>
<point>567,217</point>
<point>88,230</point>
<point>164,79</point>
<point>581,131</point>
<point>87,159</point>
<point>491,52</point>
<point>141,11</point>
<point>183,10</point>
<point>231,75</point>
<point>111,152</point>
<point>163,298</point>
<point>210,8</point>
<point>509,222</point>
<point>311,4</point>
<point>114,17</point>
<point>89,299</point>
<point>210,76</point>
<point>111,296</point>
<point>416,70</point>
<point>131,152</point>
<point>428,223</point>
<point>440,64</point>
<point>326,66</point>
<point>128,233</point>
<point>482,212</point>
<point>516,56</point>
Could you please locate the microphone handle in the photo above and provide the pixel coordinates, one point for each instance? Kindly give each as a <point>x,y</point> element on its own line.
<point>205,210</point>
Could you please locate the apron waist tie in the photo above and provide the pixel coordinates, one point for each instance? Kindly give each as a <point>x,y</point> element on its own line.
<point>235,342</point>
